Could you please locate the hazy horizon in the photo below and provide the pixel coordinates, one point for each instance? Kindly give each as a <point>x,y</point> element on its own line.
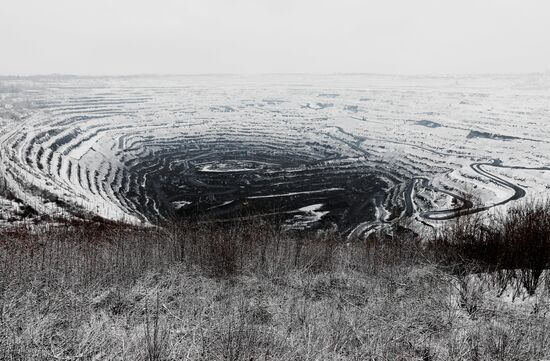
<point>405,75</point>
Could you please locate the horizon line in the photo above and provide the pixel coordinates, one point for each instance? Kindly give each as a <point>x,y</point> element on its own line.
<point>145,74</point>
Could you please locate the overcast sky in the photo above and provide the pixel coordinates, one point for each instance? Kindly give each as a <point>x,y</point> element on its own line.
<point>274,36</point>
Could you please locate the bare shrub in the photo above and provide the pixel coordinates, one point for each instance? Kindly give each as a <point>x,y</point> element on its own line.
<point>514,246</point>
<point>155,334</point>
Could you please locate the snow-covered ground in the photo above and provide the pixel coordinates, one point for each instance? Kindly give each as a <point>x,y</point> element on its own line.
<point>123,147</point>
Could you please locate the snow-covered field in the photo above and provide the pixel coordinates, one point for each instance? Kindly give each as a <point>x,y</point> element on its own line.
<point>356,150</point>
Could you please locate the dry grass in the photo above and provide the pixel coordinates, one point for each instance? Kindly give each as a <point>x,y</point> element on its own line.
<point>249,291</point>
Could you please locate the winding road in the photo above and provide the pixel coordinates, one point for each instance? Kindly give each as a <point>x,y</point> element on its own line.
<point>467,206</point>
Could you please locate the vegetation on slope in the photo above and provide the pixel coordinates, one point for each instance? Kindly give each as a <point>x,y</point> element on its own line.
<point>250,291</point>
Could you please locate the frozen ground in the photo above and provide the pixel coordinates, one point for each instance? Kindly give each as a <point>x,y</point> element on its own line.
<point>360,151</point>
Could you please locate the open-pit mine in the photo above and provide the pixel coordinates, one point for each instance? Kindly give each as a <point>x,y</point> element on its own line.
<point>357,151</point>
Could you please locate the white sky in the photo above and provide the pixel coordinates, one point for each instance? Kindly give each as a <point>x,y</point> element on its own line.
<point>265,36</point>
